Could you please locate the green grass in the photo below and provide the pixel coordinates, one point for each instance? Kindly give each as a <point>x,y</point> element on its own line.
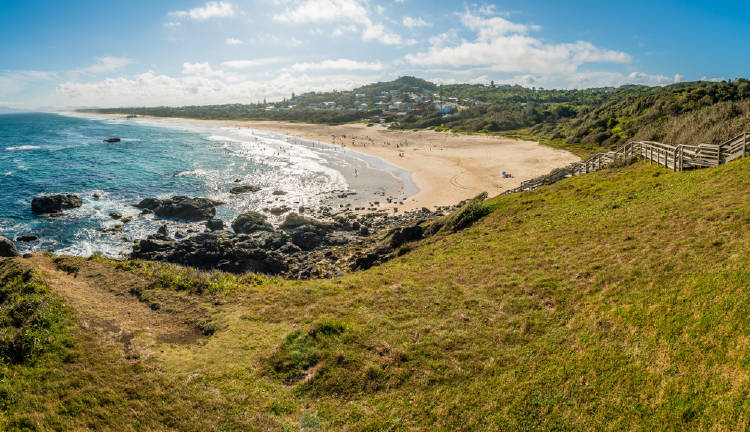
<point>612,301</point>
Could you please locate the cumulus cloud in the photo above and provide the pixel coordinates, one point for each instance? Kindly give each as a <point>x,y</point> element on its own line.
<point>410,22</point>
<point>339,65</point>
<point>503,46</point>
<point>106,64</point>
<point>149,89</point>
<point>233,41</point>
<point>354,15</point>
<point>212,9</point>
<point>249,64</point>
<point>16,81</point>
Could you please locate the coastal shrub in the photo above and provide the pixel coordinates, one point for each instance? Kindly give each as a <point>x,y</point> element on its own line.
<point>32,318</point>
<point>467,215</point>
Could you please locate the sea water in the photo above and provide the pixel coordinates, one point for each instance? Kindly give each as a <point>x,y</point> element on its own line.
<point>43,154</point>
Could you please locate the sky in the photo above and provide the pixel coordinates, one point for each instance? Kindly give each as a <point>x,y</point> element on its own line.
<point>76,53</point>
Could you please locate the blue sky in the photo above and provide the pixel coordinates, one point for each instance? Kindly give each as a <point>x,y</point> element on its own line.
<point>146,52</point>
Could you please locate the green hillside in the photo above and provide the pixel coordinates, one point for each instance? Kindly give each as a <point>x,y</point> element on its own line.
<point>612,301</point>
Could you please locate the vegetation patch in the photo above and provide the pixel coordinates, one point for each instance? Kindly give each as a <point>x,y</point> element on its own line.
<point>32,318</point>
<point>335,359</point>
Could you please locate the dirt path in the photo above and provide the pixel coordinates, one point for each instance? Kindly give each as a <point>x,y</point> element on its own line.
<point>104,303</point>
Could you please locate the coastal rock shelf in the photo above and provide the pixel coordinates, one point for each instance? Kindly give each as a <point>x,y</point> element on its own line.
<point>302,246</point>
<point>55,203</point>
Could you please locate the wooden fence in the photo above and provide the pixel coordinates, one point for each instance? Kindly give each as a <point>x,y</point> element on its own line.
<point>677,158</point>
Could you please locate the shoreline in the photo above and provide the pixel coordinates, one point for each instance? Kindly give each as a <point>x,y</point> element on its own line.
<point>446,168</point>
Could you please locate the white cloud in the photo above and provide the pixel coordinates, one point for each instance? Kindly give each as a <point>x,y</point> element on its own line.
<point>410,22</point>
<point>340,65</point>
<point>504,46</point>
<point>106,64</point>
<point>16,81</point>
<point>353,14</point>
<point>718,79</point>
<point>149,89</point>
<point>200,69</point>
<point>212,9</point>
<point>233,41</point>
<point>249,64</point>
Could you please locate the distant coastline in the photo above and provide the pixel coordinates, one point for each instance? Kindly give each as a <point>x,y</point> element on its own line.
<point>446,168</point>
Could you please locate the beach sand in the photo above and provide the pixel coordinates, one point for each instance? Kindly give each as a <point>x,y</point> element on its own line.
<point>446,167</point>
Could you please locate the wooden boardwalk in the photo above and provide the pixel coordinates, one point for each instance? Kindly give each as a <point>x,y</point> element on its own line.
<point>677,158</point>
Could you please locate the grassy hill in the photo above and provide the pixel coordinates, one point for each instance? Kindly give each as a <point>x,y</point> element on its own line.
<point>613,301</point>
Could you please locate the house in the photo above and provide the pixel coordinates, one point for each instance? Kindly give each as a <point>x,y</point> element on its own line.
<point>360,95</point>
<point>362,106</point>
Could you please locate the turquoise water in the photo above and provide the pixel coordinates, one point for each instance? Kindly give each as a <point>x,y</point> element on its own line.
<point>50,154</point>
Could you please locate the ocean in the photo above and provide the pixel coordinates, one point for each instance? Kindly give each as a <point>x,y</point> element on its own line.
<point>42,154</point>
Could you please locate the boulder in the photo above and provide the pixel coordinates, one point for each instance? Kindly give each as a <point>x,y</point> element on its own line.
<point>182,207</point>
<point>278,211</point>
<point>215,224</point>
<point>148,204</point>
<point>112,140</point>
<point>55,203</point>
<point>250,222</point>
<point>294,220</point>
<point>27,238</point>
<point>237,190</point>
<point>8,249</point>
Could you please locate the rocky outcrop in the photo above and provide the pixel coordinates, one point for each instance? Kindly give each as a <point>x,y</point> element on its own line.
<point>55,203</point>
<point>250,222</point>
<point>149,204</point>
<point>181,207</point>
<point>261,252</point>
<point>8,249</point>
<point>215,224</point>
<point>302,247</point>
<point>237,190</point>
<point>112,140</point>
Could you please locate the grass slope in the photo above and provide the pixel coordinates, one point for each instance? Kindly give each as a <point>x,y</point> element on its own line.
<point>613,301</point>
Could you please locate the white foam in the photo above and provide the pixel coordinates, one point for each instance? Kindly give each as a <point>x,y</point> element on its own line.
<point>23,147</point>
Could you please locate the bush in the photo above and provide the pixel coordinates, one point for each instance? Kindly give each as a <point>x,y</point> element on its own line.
<point>466,215</point>
<point>32,318</point>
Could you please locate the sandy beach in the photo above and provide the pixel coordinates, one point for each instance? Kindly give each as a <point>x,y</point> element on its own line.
<point>446,167</point>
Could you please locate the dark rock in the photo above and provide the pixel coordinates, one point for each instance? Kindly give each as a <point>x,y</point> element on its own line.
<point>399,236</point>
<point>55,203</point>
<point>96,195</point>
<point>279,192</point>
<point>215,224</point>
<point>8,249</point>
<point>112,140</point>
<point>278,211</point>
<point>149,204</point>
<point>182,207</point>
<point>237,190</point>
<point>127,219</point>
<point>294,220</point>
<point>179,235</point>
<point>163,231</point>
<point>306,237</point>
<point>250,222</point>
<point>114,215</point>
<point>27,238</point>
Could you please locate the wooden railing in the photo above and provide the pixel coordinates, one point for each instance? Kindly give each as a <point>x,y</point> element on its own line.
<point>677,158</point>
